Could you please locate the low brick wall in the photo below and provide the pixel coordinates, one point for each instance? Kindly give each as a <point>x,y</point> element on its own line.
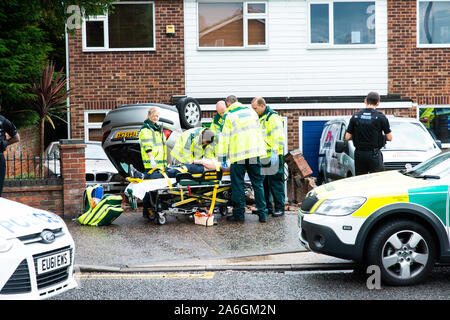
<point>62,196</point>
<point>42,194</point>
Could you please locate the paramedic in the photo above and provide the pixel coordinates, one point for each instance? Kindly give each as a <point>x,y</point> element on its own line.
<point>153,142</point>
<point>242,144</point>
<point>8,127</point>
<point>192,146</point>
<point>366,128</point>
<point>273,165</point>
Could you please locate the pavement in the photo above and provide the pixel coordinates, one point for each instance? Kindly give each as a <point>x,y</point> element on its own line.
<point>135,244</point>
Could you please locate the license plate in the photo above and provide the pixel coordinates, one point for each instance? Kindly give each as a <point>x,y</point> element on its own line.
<point>53,262</point>
<point>126,134</point>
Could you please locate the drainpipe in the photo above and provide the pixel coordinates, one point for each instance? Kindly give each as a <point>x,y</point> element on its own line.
<point>68,81</point>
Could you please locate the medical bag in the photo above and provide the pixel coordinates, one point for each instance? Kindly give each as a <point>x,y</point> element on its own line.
<point>99,209</point>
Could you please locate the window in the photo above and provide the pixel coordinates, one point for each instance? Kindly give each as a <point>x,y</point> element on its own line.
<point>129,27</point>
<point>433,23</point>
<point>93,125</point>
<point>342,23</point>
<point>232,24</point>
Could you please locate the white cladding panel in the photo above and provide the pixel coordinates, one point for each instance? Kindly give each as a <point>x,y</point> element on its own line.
<point>288,68</point>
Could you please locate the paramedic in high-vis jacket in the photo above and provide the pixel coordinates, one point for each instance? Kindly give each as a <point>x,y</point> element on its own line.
<point>273,164</point>
<point>369,129</point>
<point>6,127</point>
<point>242,144</point>
<point>153,142</point>
<point>192,147</point>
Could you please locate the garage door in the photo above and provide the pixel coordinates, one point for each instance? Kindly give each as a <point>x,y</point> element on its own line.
<point>311,132</point>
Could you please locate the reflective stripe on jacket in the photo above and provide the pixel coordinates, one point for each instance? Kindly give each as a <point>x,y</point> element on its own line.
<point>241,137</point>
<point>152,140</point>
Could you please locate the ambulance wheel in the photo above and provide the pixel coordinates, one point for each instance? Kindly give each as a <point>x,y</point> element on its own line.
<point>404,251</point>
<point>161,219</point>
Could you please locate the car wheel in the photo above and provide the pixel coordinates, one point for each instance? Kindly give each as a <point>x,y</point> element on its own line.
<point>190,112</point>
<point>404,251</point>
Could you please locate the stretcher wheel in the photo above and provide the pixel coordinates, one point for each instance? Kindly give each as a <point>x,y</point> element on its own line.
<point>161,219</point>
<point>148,213</point>
<point>223,210</point>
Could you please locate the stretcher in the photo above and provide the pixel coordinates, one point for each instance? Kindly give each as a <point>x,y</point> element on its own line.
<point>202,195</point>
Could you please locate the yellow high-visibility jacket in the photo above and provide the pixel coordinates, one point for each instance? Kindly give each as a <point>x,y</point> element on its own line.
<point>151,139</point>
<point>272,128</point>
<point>189,146</point>
<point>241,136</point>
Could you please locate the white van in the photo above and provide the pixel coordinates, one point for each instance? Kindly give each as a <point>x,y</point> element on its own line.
<point>411,144</point>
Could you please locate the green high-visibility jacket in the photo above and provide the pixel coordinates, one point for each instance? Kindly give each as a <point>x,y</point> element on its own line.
<point>151,139</point>
<point>241,136</point>
<point>272,128</point>
<point>189,146</point>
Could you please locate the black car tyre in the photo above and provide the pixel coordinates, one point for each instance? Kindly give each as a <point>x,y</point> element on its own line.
<point>404,251</point>
<point>190,112</point>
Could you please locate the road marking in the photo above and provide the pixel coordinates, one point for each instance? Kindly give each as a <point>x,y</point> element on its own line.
<point>140,276</point>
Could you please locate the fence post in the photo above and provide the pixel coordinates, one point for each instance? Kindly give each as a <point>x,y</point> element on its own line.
<point>73,173</point>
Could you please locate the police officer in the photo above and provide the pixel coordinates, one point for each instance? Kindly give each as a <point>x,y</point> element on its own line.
<point>8,127</point>
<point>366,128</point>
<point>242,144</point>
<point>272,128</point>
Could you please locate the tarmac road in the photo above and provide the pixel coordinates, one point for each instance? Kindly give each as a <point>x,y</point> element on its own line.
<point>132,241</point>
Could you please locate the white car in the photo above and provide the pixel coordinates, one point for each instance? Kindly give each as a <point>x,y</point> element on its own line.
<point>99,169</point>
<point>36,253</point>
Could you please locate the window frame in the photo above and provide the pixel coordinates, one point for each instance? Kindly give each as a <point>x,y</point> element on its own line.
<point>92,125</point>
<point>246,16</point>
<point>427,45</point>
<point>105,20</point>
<point>331,44</point>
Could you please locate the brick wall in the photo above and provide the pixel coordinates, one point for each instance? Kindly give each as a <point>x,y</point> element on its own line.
<point>104,80</point>
<point>63,196</point>
<point>44,196</point>
<point>27,147</point>
<point>420,74</point>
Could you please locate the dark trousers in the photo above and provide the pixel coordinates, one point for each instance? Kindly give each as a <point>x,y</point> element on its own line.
<point>237,174</point>
<point>368,161</point>
<point>2,172</point>
<point>274,189</point>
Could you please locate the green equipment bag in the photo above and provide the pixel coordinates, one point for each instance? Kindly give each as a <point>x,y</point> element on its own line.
<point>99,209</point>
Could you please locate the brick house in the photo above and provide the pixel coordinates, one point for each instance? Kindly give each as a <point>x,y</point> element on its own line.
<point>277,49</point>
<point>419,58</point>
<point>107,74</point>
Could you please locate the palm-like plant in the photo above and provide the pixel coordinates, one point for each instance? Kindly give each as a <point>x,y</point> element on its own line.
<point>51,95</point>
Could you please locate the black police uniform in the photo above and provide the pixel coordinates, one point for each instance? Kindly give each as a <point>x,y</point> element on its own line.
<point>6,126</point>
<point>367,127</point>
